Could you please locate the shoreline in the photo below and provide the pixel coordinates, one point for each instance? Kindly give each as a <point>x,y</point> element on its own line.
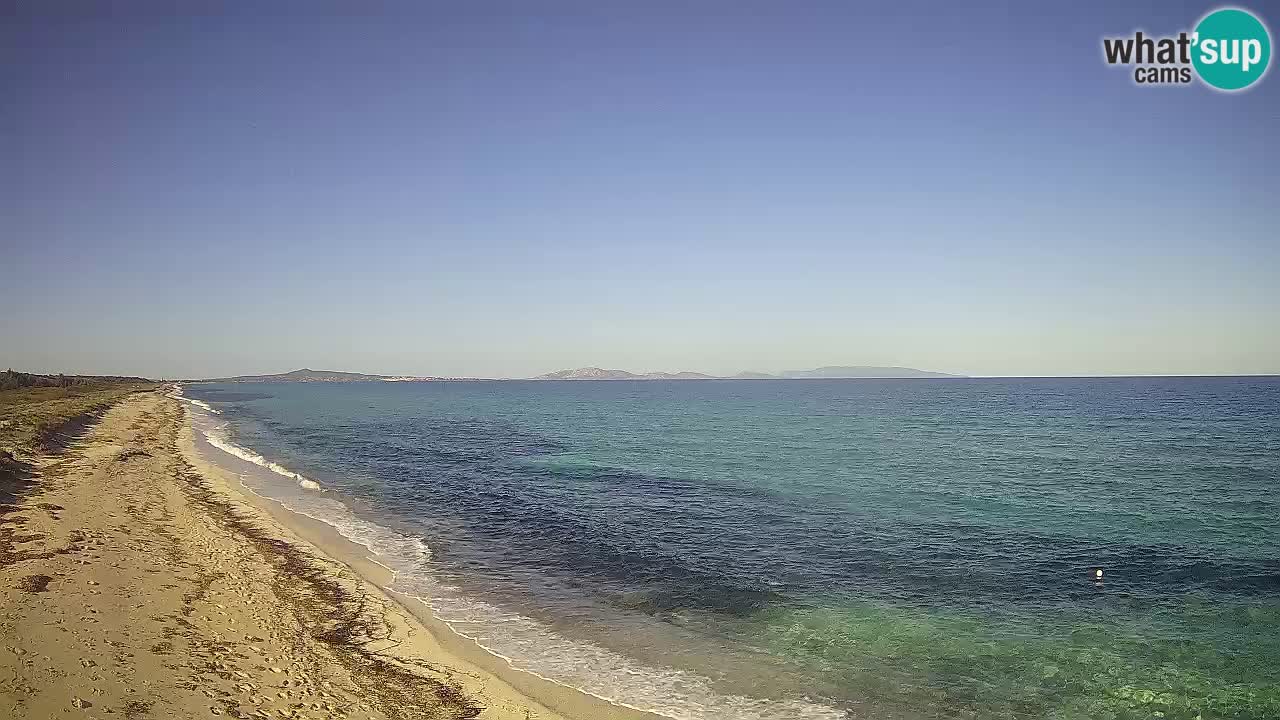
<point>557,700</point>
<point>580,680</point>
<point>137,581</point>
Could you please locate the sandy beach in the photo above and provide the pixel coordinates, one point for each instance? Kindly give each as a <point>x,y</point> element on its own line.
<point>137,580</point>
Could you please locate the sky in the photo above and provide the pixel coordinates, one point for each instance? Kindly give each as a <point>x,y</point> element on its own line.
<point>505,189</point>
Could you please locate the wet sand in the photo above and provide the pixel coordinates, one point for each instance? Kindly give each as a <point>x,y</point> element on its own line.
<point>138,580</point>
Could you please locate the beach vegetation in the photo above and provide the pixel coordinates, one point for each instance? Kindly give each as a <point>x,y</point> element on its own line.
<point>35,413</point>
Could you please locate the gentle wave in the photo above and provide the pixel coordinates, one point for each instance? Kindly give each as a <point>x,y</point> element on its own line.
<point>176,394</point>
<point>202,405</point>
<point>525,644</point>
<point>220,438</point>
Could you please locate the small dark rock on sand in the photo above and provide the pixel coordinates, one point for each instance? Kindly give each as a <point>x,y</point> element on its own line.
<point>34,583</point>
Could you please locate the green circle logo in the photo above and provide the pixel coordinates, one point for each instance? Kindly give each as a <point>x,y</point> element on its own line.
<point>1232,49</point>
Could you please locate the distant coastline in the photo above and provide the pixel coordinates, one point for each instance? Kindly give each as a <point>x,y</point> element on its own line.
<point>826,372</point>
<point>831,372</point>
<point>595,373</point>
<point>327,376</point>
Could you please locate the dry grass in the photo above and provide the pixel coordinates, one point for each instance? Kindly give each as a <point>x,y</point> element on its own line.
<point>33,418</point>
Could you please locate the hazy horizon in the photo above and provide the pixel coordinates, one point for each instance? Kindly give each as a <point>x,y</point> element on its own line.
<point>641,371</point>
<point>501,191</point>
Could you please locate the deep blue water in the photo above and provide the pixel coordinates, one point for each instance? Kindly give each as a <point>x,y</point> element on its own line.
<point>885,548</point>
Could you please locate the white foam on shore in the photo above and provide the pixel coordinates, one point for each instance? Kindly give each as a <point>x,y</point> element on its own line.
<point>202,405</point>
<point>177,395</point>
<point>218,438</point>
<point>525,644</point>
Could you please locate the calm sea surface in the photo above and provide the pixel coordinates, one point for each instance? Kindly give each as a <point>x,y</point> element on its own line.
<point>819,548</point>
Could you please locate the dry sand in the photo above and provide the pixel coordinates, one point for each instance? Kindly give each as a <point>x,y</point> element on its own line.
<point>138,581</point>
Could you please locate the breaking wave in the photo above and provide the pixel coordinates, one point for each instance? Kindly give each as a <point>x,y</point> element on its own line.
<point>176,394</point>
<point>219,437</point>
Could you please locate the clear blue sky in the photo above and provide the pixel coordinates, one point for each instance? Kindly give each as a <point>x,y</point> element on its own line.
<point>502,189</point>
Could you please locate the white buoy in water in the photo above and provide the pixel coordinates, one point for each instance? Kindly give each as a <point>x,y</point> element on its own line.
<point>1098,573</point>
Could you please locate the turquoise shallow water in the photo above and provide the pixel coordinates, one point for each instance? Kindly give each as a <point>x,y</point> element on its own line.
<point>881,549</point>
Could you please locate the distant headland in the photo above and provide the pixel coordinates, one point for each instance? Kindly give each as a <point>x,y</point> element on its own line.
<point>328,376</point>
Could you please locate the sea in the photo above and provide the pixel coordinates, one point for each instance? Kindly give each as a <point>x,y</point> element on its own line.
<point>747,549</point>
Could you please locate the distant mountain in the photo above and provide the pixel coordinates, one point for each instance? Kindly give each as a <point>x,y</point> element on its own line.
<point>595,373</point>
<point>304,375</point>
<point>588,373</point>
<point>864,371</point>
<point>330,376</point>
<point>853,371</point>
<point>683,375</point>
